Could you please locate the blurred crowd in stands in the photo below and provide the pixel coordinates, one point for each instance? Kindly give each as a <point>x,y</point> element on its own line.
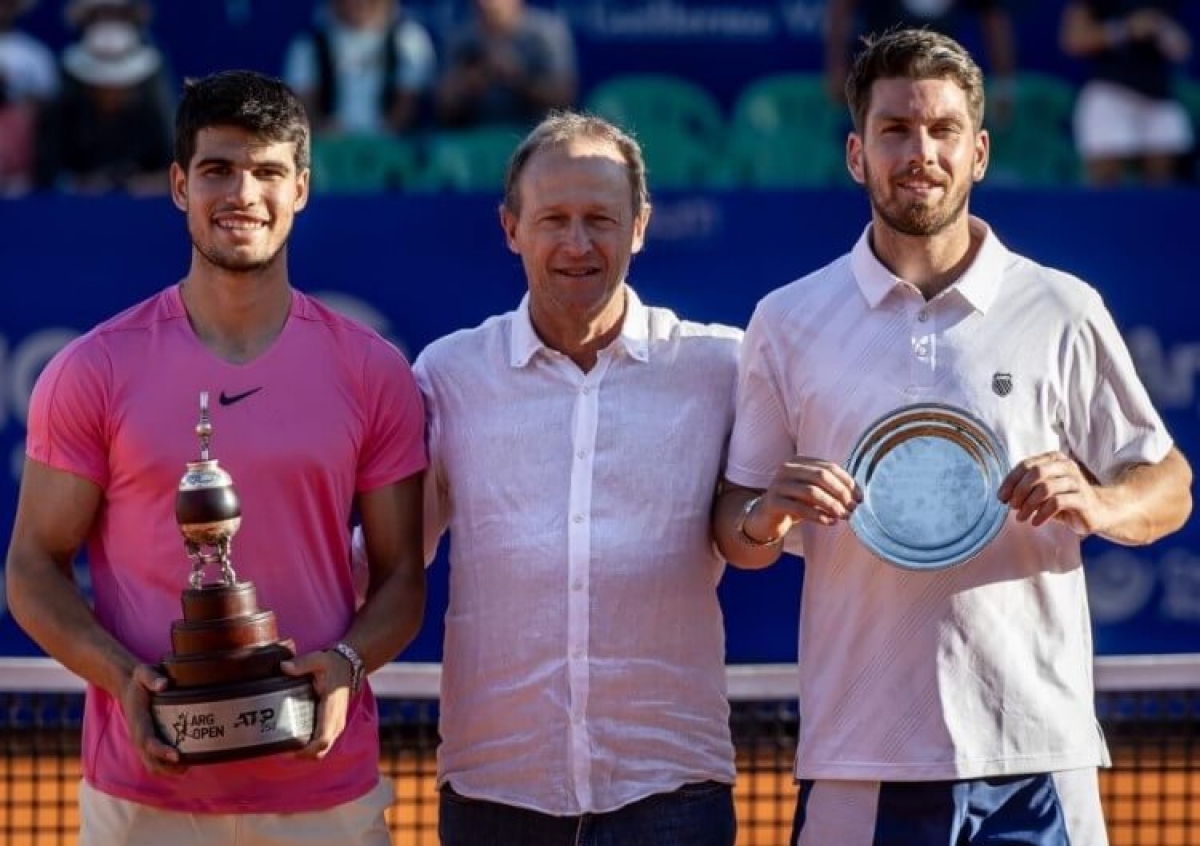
<point>398,106</point>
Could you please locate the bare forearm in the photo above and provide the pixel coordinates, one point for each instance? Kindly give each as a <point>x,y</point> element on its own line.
<point>1148,501</point>
<point>49,607</point>
<point>390,618</point>
<point>727,513</point>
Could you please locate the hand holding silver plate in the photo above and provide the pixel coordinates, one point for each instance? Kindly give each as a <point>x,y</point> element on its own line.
<point>929,474</point>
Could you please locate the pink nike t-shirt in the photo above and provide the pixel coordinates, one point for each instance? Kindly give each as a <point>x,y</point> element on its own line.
<point>328,411</point>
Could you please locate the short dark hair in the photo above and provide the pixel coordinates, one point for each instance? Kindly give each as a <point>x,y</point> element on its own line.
<point>258,103</point>
<point>912,54</point>
<point>563,125</point>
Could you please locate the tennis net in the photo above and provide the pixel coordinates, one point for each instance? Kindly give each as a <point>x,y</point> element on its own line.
<point>1149,707</point>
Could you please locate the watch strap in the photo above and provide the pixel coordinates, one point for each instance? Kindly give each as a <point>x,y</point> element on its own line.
<point>745,537</point>
<point>357,668</point>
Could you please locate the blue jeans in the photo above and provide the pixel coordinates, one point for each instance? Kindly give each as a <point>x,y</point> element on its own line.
<point>698,814</point>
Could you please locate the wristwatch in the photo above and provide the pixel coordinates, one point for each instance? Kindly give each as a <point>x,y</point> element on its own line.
<point>357,668</point>
<point>740,528</point>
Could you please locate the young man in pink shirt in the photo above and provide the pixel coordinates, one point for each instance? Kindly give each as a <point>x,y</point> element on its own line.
<point>313,416</point>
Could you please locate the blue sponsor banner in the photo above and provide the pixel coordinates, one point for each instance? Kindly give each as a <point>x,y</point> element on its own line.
<point>419,267</point>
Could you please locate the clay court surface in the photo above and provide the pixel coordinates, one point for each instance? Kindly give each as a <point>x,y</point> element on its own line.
<point>37,803</point>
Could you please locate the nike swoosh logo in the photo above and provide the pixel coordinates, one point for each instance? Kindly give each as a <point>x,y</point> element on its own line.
<point>230,400</point>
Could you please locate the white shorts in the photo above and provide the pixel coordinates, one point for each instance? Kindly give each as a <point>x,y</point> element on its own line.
<point>1112,121</point>
<point>1051,809</point>
<point>107,820</point>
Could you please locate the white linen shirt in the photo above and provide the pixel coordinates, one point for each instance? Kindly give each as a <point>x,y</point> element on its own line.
<point>583,666</point>
<point>981,669</point>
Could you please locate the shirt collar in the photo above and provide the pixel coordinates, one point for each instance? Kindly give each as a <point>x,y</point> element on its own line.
<point>979,285</point>
<point>634,337</point>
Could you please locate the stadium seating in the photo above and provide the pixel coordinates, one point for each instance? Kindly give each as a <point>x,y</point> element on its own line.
<point>1034,147</point>
<point>363,163</point>
<point>679,124</point>
<point>779,101</point>
<point>469,160</point>
<point>1187,89</point>
<point>650,102</point>
<point>677,160</point>
<point>785,132</point>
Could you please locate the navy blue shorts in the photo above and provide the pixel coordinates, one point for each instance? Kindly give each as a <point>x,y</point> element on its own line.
<point>1048,809</point>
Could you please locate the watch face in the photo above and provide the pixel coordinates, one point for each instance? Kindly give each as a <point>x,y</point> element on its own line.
<point>929,475</point>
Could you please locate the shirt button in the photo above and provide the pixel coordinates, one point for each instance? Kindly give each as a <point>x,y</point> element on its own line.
<point>922,315</point>
<point>581,454</point>
<point>578,518</point>
<point>586,389</point>
<point>578,653</point>
<point>578,585</point>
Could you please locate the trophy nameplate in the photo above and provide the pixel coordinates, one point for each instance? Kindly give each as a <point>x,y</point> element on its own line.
<point>228,699</point>
<point>929,475</point>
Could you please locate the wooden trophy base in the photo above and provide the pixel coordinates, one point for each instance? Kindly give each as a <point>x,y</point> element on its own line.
<point>228,698</point>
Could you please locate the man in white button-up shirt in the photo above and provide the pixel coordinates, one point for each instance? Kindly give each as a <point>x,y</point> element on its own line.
<point>576,444</point>
<point>951,705</point>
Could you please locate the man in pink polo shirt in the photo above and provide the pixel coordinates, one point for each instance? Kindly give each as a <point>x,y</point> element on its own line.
<point>313,416</point>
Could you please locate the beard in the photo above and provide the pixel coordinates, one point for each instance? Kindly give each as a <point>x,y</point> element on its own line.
<point>236,264</point>
<point>918,218</point>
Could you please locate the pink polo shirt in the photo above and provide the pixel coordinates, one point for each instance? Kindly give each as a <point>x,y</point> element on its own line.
<point>330,410</point>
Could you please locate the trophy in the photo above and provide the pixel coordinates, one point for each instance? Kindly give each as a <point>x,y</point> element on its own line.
<point>227,699</point>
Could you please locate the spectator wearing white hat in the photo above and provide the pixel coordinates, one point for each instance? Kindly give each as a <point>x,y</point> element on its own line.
<point>110,128</point>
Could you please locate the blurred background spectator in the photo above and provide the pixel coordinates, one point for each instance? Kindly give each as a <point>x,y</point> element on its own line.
<point>746,80</point>
<point>848,20</point>
<point>1127,121</point>
<point>365,66</point>
<point>110,128</point>
<point>509,64</point>
<point>28,80</point>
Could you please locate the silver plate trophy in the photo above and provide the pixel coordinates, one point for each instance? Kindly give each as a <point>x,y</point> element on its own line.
<point>929,475</point>
<point>228,699</point>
